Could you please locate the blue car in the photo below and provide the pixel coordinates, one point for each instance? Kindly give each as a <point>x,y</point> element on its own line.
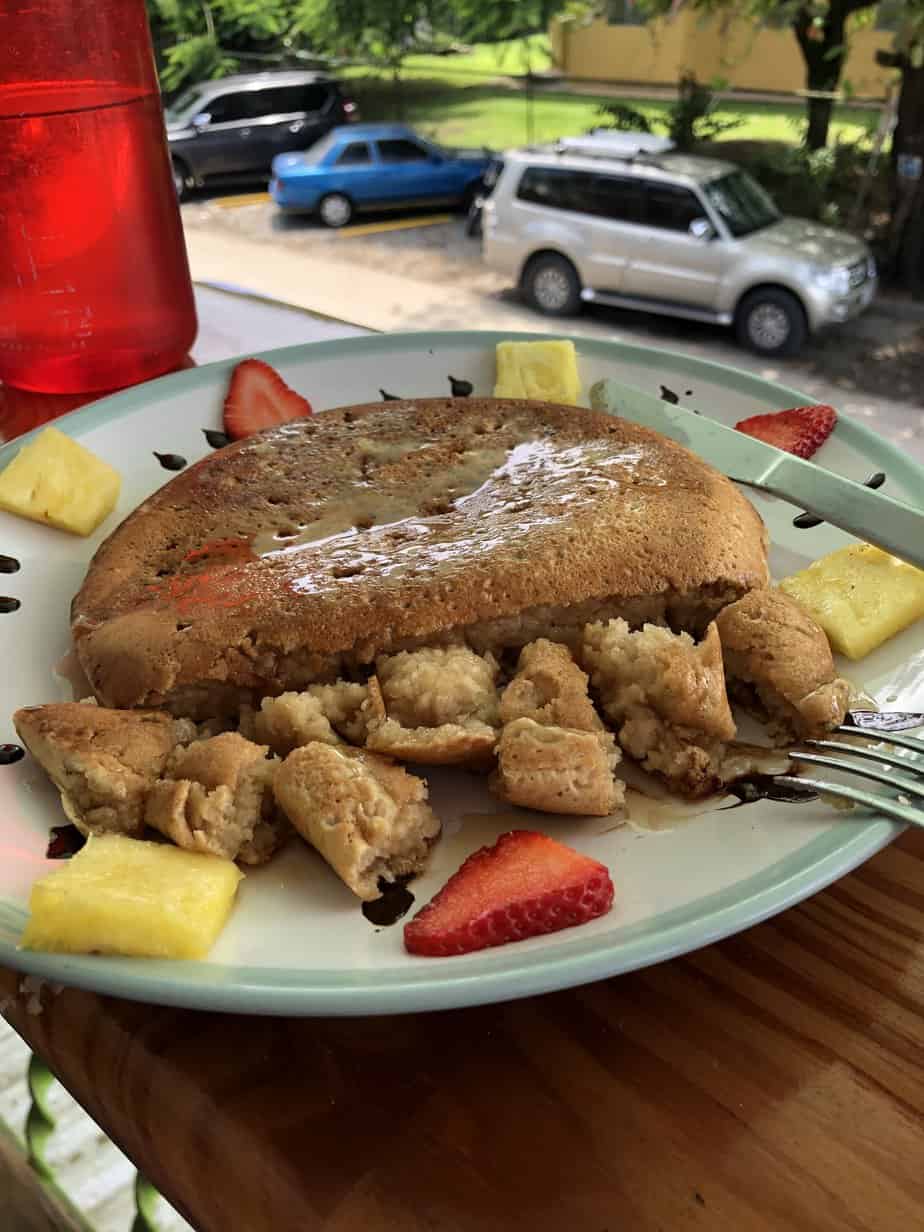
<point>374,166</point>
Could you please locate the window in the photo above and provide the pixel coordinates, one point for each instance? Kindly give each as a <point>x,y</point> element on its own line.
<point>744,205</point>
<point>619,198</point>
<point>353,154</point>
<point>624,13</point>
<point>229,108</point>
<point>671,207</point>
<point>400,151</point>
<point>290,99</point>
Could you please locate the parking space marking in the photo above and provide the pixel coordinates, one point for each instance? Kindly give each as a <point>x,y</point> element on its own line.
<point>234,203</point>
<point>396,224</point>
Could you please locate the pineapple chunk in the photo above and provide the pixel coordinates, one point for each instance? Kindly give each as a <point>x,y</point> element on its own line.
<point>860,595</point>
<point>544,370</point>
<point>122,896</point>
<point>53,479</point>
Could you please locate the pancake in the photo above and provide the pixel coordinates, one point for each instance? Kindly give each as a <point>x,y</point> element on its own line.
<point>300,554</point>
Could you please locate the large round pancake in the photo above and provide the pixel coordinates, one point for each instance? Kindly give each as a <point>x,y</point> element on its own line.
<point>367,527</point>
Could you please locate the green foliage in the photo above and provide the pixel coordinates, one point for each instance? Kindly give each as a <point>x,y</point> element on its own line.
<point>689,120</point>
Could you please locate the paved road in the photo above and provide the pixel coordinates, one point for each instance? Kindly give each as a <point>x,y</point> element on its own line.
<point>428,274</point>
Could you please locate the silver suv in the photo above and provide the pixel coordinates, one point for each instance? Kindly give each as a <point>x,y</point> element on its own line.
<point>622,219</point>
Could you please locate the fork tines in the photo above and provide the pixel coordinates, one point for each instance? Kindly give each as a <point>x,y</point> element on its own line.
<point>899,806</point>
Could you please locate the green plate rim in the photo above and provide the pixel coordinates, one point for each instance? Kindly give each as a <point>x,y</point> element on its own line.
<point>495,975</point>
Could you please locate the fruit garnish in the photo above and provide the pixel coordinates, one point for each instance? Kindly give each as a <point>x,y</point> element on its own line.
<point>544,370</point>
<point>801,430</point>
<point>259,398</point>
<point>525,885</point>
<point>123,896</point>
<point>54,479</point>
<point>860,595</point>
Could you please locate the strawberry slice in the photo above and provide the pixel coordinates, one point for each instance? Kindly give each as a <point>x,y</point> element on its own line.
<point>525,885</point>
<point>801,430</point>
<point>259,398</point>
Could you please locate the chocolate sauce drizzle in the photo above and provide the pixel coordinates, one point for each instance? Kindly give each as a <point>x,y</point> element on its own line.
<point>10,753</point>
<point>395,902</point>
<point>668,395</point>
<point>754,787</point>
<point>459,388</point>
<point>170,461</point>
<point>65,841</point>
<point>8,604</point>
<point>389,397</point>
<point>216,439</point>
<point>808,521</point>
<point>9,564</point>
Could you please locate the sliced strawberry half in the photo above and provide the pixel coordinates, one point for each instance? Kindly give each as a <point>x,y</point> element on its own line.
<point>259,398</point>
<point>525,885</point>
<point>801,430</point>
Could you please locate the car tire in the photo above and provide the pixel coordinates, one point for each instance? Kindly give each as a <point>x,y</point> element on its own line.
<point>335,210</point>
<point>181,179</point>
<point>552,286</point>
<point>771,322</point>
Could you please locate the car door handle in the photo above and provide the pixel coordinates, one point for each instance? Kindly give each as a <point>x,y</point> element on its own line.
<point>245,132</point>
<point>296,126</point>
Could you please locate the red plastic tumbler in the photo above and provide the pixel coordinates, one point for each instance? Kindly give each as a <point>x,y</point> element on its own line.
<point>94,281</point>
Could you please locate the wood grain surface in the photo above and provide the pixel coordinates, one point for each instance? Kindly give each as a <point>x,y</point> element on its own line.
<point>770,1082</point>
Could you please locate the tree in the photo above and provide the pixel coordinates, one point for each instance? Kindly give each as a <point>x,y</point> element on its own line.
<point>906,238</point>
<point>200,39</point>
<point>820,28</point>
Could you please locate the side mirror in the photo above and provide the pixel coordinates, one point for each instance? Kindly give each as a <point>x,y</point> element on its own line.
<point>200,121</point>
<point>702,229</point>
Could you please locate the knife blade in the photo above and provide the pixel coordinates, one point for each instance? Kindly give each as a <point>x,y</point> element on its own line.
<point>892,525</point>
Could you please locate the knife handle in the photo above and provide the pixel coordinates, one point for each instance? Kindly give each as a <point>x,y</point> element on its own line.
<point>871,516</point>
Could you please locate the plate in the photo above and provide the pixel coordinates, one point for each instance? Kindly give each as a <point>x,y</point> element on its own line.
<point>297,942</point>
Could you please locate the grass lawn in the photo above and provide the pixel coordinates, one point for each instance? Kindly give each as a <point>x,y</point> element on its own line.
<point>460,100</point>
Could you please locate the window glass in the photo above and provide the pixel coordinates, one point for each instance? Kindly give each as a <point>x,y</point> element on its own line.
<point>619,198</point>
<point>226,108</point>
<point>282,100</point>
<point>744,205</point>
<point>314,98</point>
<point>400,151</point>
<point>671,207</point>
<point>352,154</point>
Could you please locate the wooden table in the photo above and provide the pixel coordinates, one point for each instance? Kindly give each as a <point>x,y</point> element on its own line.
<point>771,1082</point>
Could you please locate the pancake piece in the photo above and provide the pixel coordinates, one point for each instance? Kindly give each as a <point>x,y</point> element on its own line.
<point>275,563</point>
<point>779,661</point>
<point>216,797</point>
<point>368,818</point>
<point>103,762</point>
<point>665,695</point>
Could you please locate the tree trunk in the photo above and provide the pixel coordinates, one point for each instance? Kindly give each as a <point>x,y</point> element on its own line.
<point>824,50</point>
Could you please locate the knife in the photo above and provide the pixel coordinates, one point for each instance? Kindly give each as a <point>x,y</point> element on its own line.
<point>889,524</point>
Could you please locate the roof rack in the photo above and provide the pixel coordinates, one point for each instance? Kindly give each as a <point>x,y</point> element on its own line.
<point>609,143</point>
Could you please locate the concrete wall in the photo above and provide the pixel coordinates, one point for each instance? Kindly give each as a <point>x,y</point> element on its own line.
<point>748,57</point>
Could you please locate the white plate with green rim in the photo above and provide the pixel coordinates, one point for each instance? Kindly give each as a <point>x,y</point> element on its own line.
<point>297,942</point>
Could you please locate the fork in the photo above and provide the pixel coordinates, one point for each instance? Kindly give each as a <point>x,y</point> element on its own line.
<point>898,808</point>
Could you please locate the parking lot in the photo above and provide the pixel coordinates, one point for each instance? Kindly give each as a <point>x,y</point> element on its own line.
<point>419,271</point>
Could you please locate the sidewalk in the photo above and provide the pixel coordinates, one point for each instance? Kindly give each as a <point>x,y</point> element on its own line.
<point>339,289</point>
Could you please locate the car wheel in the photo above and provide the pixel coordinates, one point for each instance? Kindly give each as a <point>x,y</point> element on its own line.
<point>336,210</point>
<point>180,180</point>
<point>552,285</point>
<point>771,322</point>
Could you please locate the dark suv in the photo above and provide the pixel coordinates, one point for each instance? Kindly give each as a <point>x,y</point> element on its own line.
<point>232,129</point>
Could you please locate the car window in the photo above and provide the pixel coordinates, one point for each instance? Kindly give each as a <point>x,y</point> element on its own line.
<point>397,150</point>
<point>315,98</point>
<point>744,205</point>
<point>354,153</point>
<point>285,100</point>
<point>227,108</point>
<point>619,198</point>
<point>187,102</point>
<point>671,207</point>
<point>553,186</point>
